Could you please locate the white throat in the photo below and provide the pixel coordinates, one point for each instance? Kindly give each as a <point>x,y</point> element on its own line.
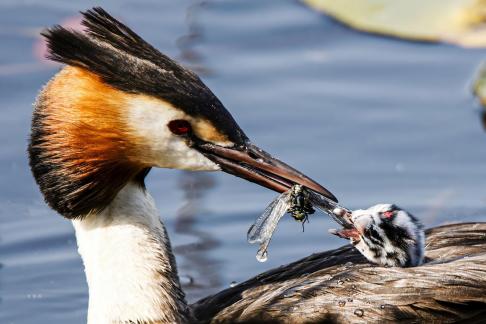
<point>129,266</point>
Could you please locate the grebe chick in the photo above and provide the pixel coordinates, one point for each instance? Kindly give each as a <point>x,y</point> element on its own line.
<point>386,235</point>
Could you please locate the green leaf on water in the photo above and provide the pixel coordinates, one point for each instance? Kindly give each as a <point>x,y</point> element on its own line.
<point>461,22</point>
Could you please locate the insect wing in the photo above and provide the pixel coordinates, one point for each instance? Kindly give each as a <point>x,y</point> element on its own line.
<point>262,230</point>
<point>327,206</point>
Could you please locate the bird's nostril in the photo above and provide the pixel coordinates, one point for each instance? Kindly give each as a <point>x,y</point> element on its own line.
<point>253,155</point>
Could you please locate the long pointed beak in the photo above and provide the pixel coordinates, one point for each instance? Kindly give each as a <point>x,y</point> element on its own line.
<point>254,164</point>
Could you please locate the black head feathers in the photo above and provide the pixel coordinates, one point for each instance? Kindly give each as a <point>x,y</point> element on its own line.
<point>125,61</point>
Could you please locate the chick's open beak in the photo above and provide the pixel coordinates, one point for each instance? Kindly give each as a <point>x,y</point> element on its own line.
<point>353,227</point>
<point>253,164</point>
<point>347,233</point>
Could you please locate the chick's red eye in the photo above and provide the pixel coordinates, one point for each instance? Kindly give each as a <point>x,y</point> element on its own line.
<point>388,214</point>
<point>179,126</point>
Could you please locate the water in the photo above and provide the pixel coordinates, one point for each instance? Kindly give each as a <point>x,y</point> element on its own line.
<point>373,119</point>
<point>262,255</point>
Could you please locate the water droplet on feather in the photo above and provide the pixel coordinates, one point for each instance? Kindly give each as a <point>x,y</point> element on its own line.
<point>359,312</point>
<point>290,292</point>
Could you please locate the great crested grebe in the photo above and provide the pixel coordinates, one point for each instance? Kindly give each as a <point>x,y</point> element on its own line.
<point>120,107</point>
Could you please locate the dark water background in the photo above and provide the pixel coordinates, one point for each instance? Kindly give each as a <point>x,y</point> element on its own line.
<point>374,119</point>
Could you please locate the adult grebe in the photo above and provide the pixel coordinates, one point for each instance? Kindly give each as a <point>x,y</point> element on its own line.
<point>117,109</point>
<point>339,286</point>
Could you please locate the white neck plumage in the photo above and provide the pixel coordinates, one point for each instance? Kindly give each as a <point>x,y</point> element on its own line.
<point>130,269</point>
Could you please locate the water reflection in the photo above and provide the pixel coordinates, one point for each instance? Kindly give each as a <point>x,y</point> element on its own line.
<point>198,271</point>
<point>483,119</point>
<point>1,267</point>
<point>186,42</point>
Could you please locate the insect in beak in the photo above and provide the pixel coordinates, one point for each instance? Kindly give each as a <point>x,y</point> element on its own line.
<point>299,202</point>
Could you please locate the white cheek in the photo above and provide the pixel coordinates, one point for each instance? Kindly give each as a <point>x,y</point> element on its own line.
<point>358,213</point>
<point>365,251</point>
<point>403,220</point>
<point>148,120</point>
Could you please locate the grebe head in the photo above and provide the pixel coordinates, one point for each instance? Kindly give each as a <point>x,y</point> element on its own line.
<point>120,107</point>
<point>386,235</point>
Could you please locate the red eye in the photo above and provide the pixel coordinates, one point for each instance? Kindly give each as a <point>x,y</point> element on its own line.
<point>179,126</point>
<point>388,214</point>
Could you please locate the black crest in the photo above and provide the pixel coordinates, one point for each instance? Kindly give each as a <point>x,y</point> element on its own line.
<point>124,60</point>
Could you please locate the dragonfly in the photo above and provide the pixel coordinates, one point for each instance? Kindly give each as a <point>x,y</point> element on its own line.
<point>299,202</point>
